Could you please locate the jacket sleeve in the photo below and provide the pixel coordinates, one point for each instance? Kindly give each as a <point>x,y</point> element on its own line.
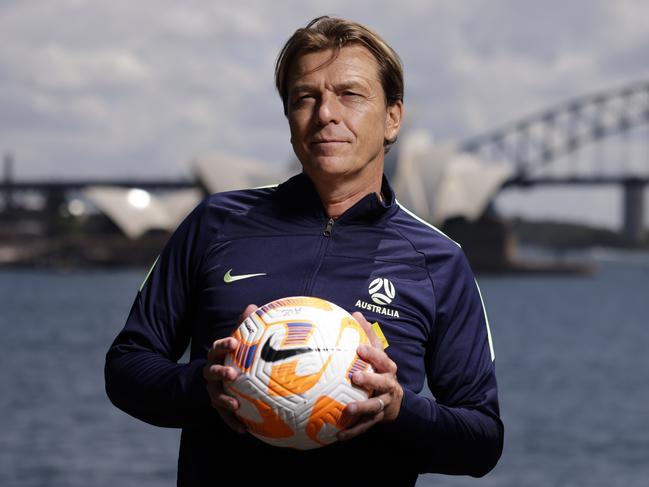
<point>459,431</point>
<point>142,373</point>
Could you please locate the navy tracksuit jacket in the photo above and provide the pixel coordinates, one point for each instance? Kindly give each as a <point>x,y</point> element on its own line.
<point>435,325</point>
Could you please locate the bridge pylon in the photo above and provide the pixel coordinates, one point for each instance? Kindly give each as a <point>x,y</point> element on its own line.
<point>634,210</point>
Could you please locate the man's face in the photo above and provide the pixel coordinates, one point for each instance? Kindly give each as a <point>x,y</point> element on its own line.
<point>337,114</point>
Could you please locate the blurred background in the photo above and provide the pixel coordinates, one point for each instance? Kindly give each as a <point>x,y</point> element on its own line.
<point>526,140</point>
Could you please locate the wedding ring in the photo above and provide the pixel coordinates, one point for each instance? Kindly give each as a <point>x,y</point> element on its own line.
<point>382,404</point>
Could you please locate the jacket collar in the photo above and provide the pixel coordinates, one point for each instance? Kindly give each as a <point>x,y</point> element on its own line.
<point>299,196</point>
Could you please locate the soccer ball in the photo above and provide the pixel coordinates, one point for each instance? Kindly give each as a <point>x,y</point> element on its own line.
<point>296,357</point>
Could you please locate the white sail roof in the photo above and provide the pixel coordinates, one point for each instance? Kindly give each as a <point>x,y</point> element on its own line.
<point>136,211</point>
<point>222,172</point>
<point>438,182</point>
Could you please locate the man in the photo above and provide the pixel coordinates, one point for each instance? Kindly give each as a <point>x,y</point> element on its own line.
<point>328,232</point>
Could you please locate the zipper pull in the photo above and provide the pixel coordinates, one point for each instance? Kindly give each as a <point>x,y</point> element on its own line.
<point>328,228</point>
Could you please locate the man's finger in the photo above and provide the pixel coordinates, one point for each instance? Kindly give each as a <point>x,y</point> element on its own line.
<point>357,410</point>
<point>224,401</point>
<point>377,383</point>
<point>250,309</point>
<point>219,372</point>
<point>378,359</point>
<point>350,415</point>
<point>220,348</point>
<point>374,339</point>
<point>219,399</point>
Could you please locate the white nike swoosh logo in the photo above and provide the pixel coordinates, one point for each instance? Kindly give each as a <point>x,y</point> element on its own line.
<point>228,277</point>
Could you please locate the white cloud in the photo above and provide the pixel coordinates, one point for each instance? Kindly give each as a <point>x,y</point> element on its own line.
<point>59,68</point>
<point>141,87</point>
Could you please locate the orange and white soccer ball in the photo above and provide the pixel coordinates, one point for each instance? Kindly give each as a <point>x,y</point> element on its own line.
<point>296,357</point>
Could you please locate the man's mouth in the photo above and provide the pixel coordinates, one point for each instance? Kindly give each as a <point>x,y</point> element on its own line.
<point>328,141</point>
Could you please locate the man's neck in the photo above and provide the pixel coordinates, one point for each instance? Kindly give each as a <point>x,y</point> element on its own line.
<point>338,196</point>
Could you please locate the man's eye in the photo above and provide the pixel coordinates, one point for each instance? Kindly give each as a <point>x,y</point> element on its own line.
<point>350,94</point>
<point>300,100</point>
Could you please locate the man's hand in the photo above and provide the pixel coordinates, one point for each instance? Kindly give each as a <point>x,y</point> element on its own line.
<point>216,374</point>
<point>384,406</point>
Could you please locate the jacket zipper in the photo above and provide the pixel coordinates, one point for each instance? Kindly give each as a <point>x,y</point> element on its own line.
<point>324,243</point>
<point>328,228</point>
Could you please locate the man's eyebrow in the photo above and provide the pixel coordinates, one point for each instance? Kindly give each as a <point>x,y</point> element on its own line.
<point>344,85</point>
<point>302,87</point>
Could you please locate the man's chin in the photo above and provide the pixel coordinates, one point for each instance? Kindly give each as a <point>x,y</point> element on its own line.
<point>331,166</point>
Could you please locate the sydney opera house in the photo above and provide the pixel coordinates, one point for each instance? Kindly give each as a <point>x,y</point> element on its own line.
<point>104,224</point>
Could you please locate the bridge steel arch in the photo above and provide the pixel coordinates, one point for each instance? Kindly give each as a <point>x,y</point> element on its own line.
<point>533,142</point>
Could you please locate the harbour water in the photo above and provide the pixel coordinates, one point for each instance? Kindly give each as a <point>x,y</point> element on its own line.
<point>571,354</point>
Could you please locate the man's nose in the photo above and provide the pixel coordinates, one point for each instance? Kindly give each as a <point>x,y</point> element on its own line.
<point>328,109</point>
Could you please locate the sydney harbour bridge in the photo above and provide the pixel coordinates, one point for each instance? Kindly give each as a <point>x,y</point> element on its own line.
<point>543,148</point>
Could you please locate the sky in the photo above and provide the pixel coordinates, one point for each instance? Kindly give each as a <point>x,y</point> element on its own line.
<point>122,88</point>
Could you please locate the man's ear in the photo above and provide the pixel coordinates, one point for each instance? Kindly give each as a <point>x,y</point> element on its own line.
<point>393,118</point>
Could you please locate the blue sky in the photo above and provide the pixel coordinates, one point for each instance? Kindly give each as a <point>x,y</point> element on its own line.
<point>124,88</point>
